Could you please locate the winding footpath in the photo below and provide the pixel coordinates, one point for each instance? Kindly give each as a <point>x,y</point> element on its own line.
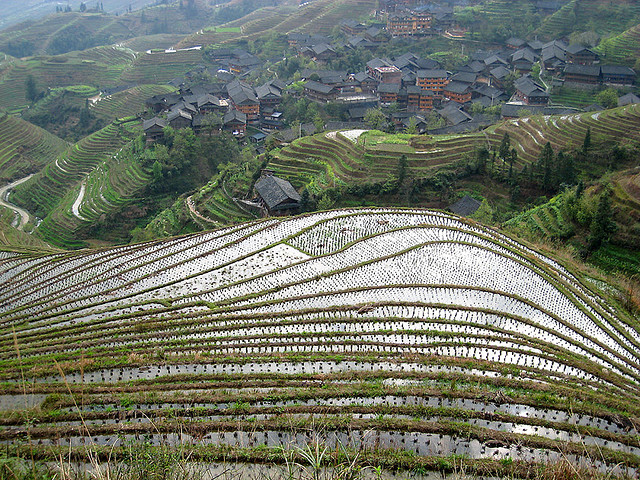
<point>4,202</point>
<point>75,208</point>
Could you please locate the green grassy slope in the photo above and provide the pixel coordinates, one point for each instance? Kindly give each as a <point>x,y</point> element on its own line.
<point>602,16</point>
<point>59,71</point>
<point>127,102</point>
<point>567,219</point>
<point>25,148</point>
<point>623,48</point>
<point>320,16</point>
<point>51,192</point>
<point>326,158</point>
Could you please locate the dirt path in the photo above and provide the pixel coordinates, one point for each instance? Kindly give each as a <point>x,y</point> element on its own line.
<point>4,195</point>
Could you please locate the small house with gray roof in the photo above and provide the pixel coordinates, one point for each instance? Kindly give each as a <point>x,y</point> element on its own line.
<point>277,196</point>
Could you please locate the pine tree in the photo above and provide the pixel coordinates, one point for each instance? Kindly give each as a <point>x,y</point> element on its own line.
<point>31,91</point>
<point>602,225</point>
<point>505,146</point>
<point>513,156</point>
<point>545,163</point>
<point>586,144</point>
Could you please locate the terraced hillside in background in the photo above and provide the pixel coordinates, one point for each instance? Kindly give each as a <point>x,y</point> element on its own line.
<point>413,337</point>
<point>503,10</point>
<point>85,182</point>
<point>41,37</point>
<point>25,148</point>
<point>623,48</point>
<point>329,158</point>
<point>64,32</point>
<point>97,67</point>
<point>556,221</point>
<point>31,11</point>
<point>319,16</point>
<point>127,102</point>
<point>602,16</point>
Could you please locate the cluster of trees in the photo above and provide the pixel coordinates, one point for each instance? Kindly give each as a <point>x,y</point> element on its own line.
<point>83,8</point>
<point>549,173</point>
<point>183,161</point>
<point>61,114</point>
<point>77,37</point>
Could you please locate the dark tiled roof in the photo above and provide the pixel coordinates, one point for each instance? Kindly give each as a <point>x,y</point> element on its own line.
<point>553,51</point>
<point>457,87</point>
<point>208,99</point>
<point>234,116</point>
<point>576,48</point>
<point>318,87</point>
<point>160,122</point>
<point>389,88</point>
<point>528,87</point>
<point>452,114</point>
<point>499,72</point>
<point>178,113</point>
<point>267,90</point>
<point>588,70</point>
<point>439,73</point>
<point>617,70</point>
<point>465,206</point>
<point>465,77</point>
<point>628,99</point>
<point>274,191</point>
<point>523,54</point>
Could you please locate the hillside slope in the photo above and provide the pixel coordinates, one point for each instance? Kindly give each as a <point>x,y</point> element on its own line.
<point>623,48</point>
<point>437,335</point>
<point>327,158</point>
<point>602,16</point>
<point>85,182</point>
<point>25,148</point>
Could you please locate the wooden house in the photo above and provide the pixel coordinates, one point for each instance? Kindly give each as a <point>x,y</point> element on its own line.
<point>277,196</point>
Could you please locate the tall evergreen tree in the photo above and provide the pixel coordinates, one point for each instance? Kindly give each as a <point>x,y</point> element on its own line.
<point>505,146</point>
<point>586,144</point>
<point>602,225</point>
<point>545,163</point>
<point>31,91</point>
<point>513,157</point>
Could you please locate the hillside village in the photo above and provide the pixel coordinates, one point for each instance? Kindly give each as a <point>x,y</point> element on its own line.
<point>508,81</point>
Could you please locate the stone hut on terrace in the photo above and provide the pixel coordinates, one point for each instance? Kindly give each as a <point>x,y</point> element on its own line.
<point>276,196</point>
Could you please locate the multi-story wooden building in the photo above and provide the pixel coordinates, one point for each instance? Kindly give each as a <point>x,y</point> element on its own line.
<point>581,55</point>
<point>409,24</point>
<point>434,80</point>
<point>458,92</point>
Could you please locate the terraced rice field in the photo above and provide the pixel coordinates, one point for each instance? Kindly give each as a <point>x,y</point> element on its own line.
<point>319,16</point>
<point>372,330</point>
<point>59,71</point>
<point>128,102</point>
<point>158,68</point>
<point>623,48</point>
<point>590,14</point>
<point>619,124</point>
<point>52,192</point>
<point>25,148</point>
<point>501,10</point>
<point>42,32</point>
<point>329,158</point>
